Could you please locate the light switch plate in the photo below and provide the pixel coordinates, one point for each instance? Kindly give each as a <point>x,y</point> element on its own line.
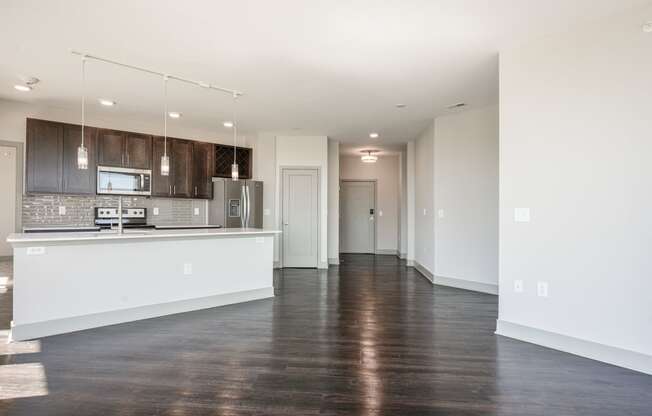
<point>62,210</point>
<point>542,289</point>
<point>425,212</point>
<point>380,213</point>
<point>518,286</point>
<point>440,213</point>
<point>196,211</point>
<point>521,214</point>
<point>187,269</point>
<point>155,210</point>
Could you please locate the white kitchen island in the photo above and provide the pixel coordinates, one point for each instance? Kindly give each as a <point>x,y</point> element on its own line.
<point>66,282</point>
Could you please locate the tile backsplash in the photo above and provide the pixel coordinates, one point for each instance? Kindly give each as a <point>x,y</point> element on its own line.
<point>44,209</point>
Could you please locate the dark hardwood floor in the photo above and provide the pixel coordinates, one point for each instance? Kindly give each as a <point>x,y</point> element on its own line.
<point>370,337</point>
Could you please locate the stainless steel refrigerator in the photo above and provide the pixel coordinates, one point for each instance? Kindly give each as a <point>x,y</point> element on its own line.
<point>236,204</point>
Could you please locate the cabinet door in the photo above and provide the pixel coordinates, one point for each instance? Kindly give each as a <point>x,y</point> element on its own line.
<point>138,151</point>
<point>111,147</point>
<point>77,181</point>
<point>181,166</point>
<point>44,162</point>
<point>161,185</point>
<point>202,170</point>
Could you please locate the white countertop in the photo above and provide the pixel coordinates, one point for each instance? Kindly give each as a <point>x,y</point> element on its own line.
<point>54,237</point>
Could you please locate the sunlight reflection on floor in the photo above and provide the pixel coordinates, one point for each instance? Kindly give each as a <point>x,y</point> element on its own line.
<point>22,380</point>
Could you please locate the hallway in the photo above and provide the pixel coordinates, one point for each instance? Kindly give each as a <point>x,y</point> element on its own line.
<point>370,337</point>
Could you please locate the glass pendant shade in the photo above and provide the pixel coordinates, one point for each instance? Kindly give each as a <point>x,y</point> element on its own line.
<point>234,171</point>
<point>165,165</point>
<point>82,158</point>
<point>369,158</point>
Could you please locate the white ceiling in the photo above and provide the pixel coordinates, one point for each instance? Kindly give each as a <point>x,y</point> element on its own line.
<point>333,67</point>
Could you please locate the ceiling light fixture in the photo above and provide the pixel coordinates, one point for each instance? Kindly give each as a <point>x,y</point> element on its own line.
<point>165,159</point>
<point>228,124</point>
<point>22,88</point>
<point>106,103</point>
<point>456,105</point>
<point>82,151</point>
<point>374,135</point>
<point>368,157</point>
<point>174,114</point>
<point>234,167</point>
<point>401,105</point>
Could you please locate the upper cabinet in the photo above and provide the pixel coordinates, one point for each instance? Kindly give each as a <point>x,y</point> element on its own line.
<point>52,158</point>
<point>203,166</point>
<point>224,160</point>
<point>181,167</point>
<point>124,149</point>
<point>161,185</point>
<point>44,163</point>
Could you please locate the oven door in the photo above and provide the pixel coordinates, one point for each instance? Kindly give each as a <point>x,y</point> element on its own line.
<point>123,181</point>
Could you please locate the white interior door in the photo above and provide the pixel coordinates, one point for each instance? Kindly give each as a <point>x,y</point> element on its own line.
<point>7,197</point>
<point>357,211</point>
<point>300,217</point>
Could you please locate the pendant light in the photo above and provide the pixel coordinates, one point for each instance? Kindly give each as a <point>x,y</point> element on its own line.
<point>369,158</point>
<point>165,159</point>
<point>234,166</point>
<point>82,151</point>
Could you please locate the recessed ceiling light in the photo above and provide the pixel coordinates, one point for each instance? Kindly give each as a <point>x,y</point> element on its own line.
<point>456,105</point>
<point>228,124</point>
<point>23,88</point>
<point>401,105</point>
<point>374,135</point>
<point>647,27</point>
<point>174,114</point>
<point>105,102</point>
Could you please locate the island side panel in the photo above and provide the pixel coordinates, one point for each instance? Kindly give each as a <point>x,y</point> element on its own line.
<point>63,287</point>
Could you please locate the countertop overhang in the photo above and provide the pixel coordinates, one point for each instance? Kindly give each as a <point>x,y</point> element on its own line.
<point>22,239</point>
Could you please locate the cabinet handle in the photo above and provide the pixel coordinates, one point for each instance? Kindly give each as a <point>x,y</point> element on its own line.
<point>195,191</point>
<point>122,159</point>
<point>174,190</point>
<point>170,189</point>
<point>127,158</point>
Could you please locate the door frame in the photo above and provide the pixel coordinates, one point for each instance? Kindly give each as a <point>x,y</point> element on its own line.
<point>20,157</point>
<point>281,170</point>
<point>375,185</point>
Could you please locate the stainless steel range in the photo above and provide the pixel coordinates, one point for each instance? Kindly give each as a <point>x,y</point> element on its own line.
<point>107,218</point>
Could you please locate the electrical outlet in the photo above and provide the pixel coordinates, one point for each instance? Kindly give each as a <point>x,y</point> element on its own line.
<point>62,210</point>
<point>521,214</point>
<point>196,211</point>
<point>542,289</point>
<point>440,213</point>
<point>155,210</point>
<point>260,240</point>
<point>35,251</point>
<point>425,212</point>
<point>518,286</point>
<point>187,269</point>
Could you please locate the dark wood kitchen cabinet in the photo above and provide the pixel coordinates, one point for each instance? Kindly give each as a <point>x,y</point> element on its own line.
<point>203,166</point>
<point>43,159</point>
<point>124,149</point>
<point>181,165</point>
<point>77,181</point>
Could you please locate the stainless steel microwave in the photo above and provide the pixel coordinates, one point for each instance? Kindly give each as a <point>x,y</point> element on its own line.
<point>123,181</point>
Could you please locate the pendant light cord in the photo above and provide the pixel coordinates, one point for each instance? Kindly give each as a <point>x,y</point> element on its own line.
<point>165,115</point>
<point>83,98</point>
<point>235,130</point>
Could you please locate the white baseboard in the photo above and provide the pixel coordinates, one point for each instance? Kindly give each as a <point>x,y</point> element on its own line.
<point>403,256</point>
<point>457,283</point>
<point>410,263</point>
<point>386,252</point>
<point>277,264</point>
<point>334,261</point>
<point>323,265</point>
<point>22,332</point>
<point>612,355</point>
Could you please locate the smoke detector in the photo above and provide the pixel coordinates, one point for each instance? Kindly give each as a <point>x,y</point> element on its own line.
<point>647,27</point>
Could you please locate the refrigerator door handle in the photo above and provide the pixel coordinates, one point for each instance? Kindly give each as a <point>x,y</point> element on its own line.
<point>242,207</point>
<point>248,206</point>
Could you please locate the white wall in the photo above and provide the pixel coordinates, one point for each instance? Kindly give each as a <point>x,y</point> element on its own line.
<point>306,151</point>
<point>575,147</point>
<point>333,202</point>
<point>466,193</point>
<point>411,201</point>
<point>386,174</point>
<point>8,163</point>
<point>424,250</point>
